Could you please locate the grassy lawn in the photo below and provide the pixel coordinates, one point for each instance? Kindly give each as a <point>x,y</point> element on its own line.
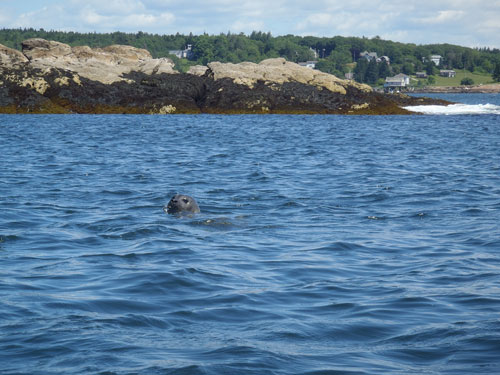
<point>478,78</point>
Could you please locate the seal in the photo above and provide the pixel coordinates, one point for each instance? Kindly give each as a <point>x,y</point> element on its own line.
<point>181,203</point>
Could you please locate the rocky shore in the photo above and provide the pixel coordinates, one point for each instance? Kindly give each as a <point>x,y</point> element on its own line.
<point>492,88</point>
<point>52,77</point>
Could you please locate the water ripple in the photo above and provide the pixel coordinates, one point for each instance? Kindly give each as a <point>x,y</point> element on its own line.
<point>325,245</point>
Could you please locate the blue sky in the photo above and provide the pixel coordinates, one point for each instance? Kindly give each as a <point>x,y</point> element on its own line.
<point>474,23</point>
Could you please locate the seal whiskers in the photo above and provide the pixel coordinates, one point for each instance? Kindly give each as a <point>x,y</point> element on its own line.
<point>182,203</point>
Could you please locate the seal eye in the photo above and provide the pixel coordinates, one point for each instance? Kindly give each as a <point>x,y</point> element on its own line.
<point>185,200</point>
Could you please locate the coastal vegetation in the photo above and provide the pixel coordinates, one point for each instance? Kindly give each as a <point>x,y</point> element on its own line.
<point>467,81</point>
<point>461,75</point>
<point>53,77</point>
<point>336,55</point>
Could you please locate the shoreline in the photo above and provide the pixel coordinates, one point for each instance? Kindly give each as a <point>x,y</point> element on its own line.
<point>52,77</point>
<point>492,88</point>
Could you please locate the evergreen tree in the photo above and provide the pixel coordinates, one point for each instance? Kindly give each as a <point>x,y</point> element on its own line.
<point>467,81</point>
<point>496,72</point>
<point>258,46</point>
<point>408,68</point>
<point>372,72</point>
<point>328,66</point>
<point>383,70</point>
<point>360,70</point>
<point>429,68</point>
<point>203,50</point>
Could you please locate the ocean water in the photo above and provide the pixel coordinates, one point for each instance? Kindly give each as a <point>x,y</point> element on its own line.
<point>326,244</point>
<point>464,104</point>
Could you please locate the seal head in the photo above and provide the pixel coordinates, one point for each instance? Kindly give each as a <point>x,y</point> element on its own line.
<point>181,203</point>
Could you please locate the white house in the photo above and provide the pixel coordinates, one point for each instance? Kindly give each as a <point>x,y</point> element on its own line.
<point>385,59</point>
<point>397,82</point>
<point>436,59</point>
<point>184,53</point>
<point>404,77</point>
<point>447,73</point>
<point>368,55</point>
<point>308,64</point>
<point>314,52</point>
<point>349,76</point>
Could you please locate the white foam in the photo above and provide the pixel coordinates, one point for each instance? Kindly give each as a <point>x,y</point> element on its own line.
<point>456,109</point>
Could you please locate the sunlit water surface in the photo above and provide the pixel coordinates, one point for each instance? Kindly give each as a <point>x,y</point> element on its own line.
<point>325,245</point>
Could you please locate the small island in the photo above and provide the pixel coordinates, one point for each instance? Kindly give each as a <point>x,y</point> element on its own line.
<point>53,77</point>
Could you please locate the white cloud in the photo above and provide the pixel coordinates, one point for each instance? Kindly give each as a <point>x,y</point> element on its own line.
<point>95,15</point>
<point>147,20</point>
<point>136,21</point>
<point>89,16</point>
<point>472,23</point>
<point>316,20</point>
<point>247,27</point>
<point>425,21</point>
<point>120,14</point>
<point>114,7</point>
<point>3,16</point>
<point>442,17</point>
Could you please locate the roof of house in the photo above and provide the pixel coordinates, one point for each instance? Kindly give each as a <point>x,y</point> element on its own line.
<point>366,53</point>
<point>394,79</point>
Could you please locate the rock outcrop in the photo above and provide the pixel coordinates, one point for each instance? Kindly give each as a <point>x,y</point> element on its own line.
<point>198,70</point>
<point>52,77</point>
<point>279,71</point>
<point>11,57</point>
<point>106,65</point>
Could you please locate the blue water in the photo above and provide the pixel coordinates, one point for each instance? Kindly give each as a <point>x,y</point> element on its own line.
<point>325,245</point>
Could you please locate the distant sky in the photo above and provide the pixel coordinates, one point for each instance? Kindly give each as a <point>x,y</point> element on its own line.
<point>473,23</point>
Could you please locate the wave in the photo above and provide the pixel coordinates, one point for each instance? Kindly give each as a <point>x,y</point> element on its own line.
<point>456,109</point>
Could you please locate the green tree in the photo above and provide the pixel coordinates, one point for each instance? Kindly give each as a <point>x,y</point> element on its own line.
<point>487,66</point>
<point>429,68</point>
<point>328,66</point>
<point>419,66</point>
<point>408,68</point>
<point>496,72</point>
<point>372,72</point>
<point>467,81</point>
<point>383,70</point>
<point>259,45</point>
<point>360,70</point>
<point>203,50</point>
<point>336,62</point>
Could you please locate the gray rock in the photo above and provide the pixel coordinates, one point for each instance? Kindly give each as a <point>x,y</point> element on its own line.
<point>9,56</point>
<point>106,65</point>
<point>279,71</point>
<point>198,70</point>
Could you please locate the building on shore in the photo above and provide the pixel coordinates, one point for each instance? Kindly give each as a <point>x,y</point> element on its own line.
<point>368,55</point>
<point>183,53</point>
<point>447,73</point>
<point>436,59</point>
<point>308,64</point>
<point>349,76</point>
<point>399,82</point>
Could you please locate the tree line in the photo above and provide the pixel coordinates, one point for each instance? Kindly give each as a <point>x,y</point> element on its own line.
<point>336,55</point>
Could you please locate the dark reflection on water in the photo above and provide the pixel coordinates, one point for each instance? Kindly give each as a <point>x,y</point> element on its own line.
<point>326,245</point>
